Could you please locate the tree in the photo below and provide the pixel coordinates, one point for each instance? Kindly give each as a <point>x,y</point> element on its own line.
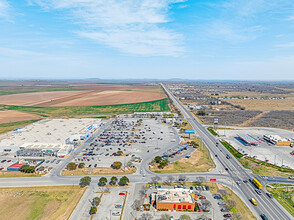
<point>119,153</point>
<point>71,166</point>
<point>205,204</point>
<point>146,216</point>
<point>102,181</point>
<point>136,205</point>
<point>185,217</point>
<point>41,168</point>
<point>155,179</point>
<point>163,163</point>
<point>95,201</point>
<point>142,191</point>
<point>223,192</point>
<point>85,181</point>
<point>124,181</point>
<point>237,216</point>
<point>230,204</point>
<point>157,159</point>
<point>27,169</point>
<point>165,217</point>
<point>183,179</point>
<point>116,165</point>
<point>170,179</point>
<point>93,210</point>
<point>113,180</point>
<point>81,165</point>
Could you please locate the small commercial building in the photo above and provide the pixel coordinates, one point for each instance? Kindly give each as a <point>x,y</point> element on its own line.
<point>173,199</point>
<point>277,140</point>
<point>248,139</point>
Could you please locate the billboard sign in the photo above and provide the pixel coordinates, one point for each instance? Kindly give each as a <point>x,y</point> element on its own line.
<point>215,121</point>
<point>90,127</point>
<point>187,131</point>
<point>212,180</point>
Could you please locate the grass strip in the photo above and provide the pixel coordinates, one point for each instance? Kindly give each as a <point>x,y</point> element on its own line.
<point>5,127</point>
<point>285,196</point>
<point>212,131</point>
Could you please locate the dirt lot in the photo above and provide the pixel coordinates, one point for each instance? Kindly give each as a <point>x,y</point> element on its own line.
<point>13,116</point>
<point>79,98</point>
<point>265,105</point>
<point>97,171</point>
<point>56,202</point>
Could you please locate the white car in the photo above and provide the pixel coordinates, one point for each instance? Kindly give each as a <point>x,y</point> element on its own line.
<point>291,177</point>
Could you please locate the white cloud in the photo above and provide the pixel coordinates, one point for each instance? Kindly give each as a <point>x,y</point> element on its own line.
<point>286,45</point>
<point>4,9</point>
<point>133,26</point>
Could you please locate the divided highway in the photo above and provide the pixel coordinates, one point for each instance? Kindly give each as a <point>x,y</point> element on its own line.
<point>270,207</point>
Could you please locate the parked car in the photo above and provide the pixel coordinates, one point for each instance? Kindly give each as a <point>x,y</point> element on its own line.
<point>121,194</point>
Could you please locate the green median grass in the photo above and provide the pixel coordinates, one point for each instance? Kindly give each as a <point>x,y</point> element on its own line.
<point>212,131</point>
<point>152,106</point>
<point>284,195</point>
<point>257,166</point>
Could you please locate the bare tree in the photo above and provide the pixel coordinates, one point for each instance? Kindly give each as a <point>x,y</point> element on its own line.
<point>200,179</point>
<point>165,217</point>
<point>202,217</point>
<point>136,204</point>
<point>237,216</point>
<point>146,216</point>
<point>205,204</point>
<point>155,179</point>
<point>142,191</point>
<point>223,192</point>
<point>182,179</point>
<point>230,204</point>
<point>169,179</point>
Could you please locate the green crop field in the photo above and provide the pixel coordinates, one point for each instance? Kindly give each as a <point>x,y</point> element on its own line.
<point>4,91</point>
<point>5,127</point>
<point>152,106</point>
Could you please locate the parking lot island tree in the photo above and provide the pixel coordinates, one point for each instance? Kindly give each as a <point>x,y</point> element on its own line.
<point>71,166</point>
<point>81,165</point>
<point>124,181</point>
<point>85,181</point>
<point>93,210</point>
<point>116,165</point>
<point>113,180</point>
<point>95,201</point>
<point>27,169</point>
<point>102,181</point>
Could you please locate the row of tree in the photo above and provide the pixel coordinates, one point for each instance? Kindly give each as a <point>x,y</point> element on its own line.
<point>27,169</point>
<point>114,180</point>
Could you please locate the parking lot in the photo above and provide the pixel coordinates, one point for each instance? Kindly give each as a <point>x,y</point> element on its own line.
<point>279,155</point>
<point>127,140</point>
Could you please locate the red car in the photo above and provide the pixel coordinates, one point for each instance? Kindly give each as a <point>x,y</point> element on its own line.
<point>1,168</point>
<point>202,197</point>
<point>121,194</point>
<point>9,161</point>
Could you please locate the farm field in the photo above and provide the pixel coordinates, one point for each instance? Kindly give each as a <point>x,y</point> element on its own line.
<point>5,127</point>
<point>79,98</point>
<point>13,116</point>
<point>54,202</point>
<point>152,106</point>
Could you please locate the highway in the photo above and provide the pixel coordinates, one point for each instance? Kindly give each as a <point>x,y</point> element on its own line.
<point>270,207</point>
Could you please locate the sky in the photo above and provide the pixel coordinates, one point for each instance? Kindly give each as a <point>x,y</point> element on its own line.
<point>147,39</point>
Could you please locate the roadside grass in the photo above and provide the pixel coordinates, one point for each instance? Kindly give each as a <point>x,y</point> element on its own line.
<point>212,131</point>
<point>4,174</point>
<point>156,90</point>
<point>257,166</point>
<point>200,161</point>
<point>5,127</point>
<point>46,202</point>
<point>285,196</point>
<point>97,171</point>
<point>186,125</point>
<point>152,106</point>
<point>18,91</point>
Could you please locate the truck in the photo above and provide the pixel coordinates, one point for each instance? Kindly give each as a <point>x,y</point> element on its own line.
<point>256,183</point>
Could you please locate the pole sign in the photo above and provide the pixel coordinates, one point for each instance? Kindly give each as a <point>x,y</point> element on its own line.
<point>212,180</point>
<point>189,131</point>
<point>215,121</point>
